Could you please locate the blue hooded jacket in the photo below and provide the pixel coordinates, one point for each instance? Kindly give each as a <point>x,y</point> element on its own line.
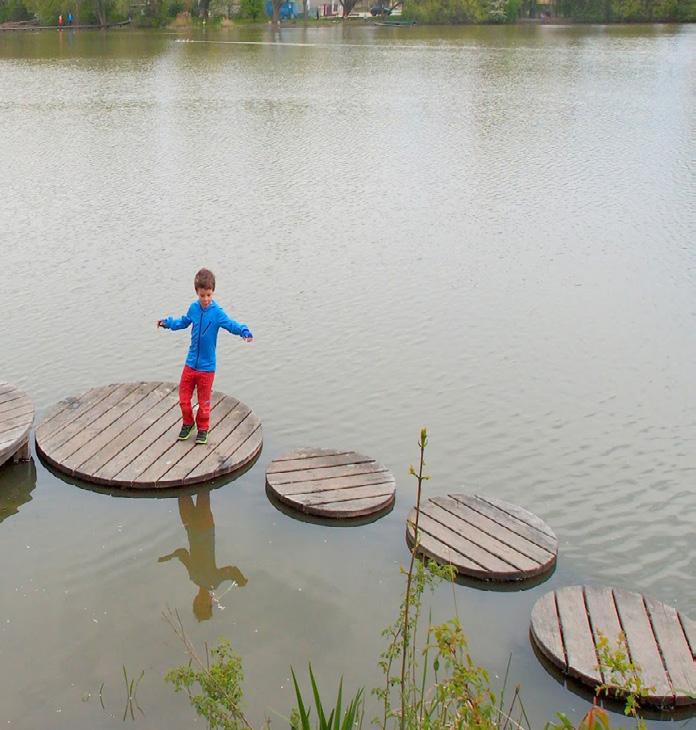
<point>206,323</point>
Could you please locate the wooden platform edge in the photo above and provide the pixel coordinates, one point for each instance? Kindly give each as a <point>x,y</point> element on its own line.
<point>315,511</point>
<point>20,451</point>
<point>515,575</point>
<point>558,657</point>
<point>75,474</point>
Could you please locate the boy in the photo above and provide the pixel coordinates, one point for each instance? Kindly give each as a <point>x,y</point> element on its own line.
<point>207,317</point>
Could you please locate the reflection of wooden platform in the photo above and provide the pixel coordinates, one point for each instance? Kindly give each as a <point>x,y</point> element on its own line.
<point>567,623</point>
<point>484,537</point>
<point>16,417</point>
<point>125,435</point>
<point>328,483</point>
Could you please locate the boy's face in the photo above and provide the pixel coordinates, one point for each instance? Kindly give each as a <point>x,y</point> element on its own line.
<point>205,296</point>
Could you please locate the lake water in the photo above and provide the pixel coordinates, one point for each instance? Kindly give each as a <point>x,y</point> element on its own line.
<point>488,231</point>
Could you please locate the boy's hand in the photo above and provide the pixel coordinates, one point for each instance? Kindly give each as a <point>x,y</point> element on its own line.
<point>160,323</point>
<point>248,339</point>
<point>246,335</point>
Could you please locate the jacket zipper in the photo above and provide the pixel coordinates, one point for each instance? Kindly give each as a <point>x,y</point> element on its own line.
<point>198,349</point>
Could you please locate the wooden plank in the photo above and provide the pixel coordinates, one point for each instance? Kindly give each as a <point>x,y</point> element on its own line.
<point>11,424</point>
<point>104,424</point>
<point>228,459</point>
<point>20,403</point>
<point>165,424</point>
<point>642,644</point>
<point>115,453</point>
<point>216,450</point>
<point>165,444</point>
<point>497,567</point>
<point>320,485</point>
<point>336,496</point>
<point>689,629</point>
<point>577,636</point>
<point>247,450</point>
<point>316,461</point>
<point>69,409</point>
<point>108,436</point>
<point>674,649</point>
<point>15,433</point>
<point>9,394</point>
<point>190,454</point>
<point>354,508</point>
<point>603,617</point>
<point>516,542</point>
<point>546,630</point>
<point>310,452</point>
<point>514,524</point>
<point>519,513</point>
<point>83,418</point>
<point>308,475</point>
<point>524,565</point>
<point>12,442</point>
<point>431,547</point>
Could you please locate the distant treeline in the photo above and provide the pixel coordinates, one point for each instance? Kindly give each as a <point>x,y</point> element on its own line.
<point>588,11</point>
<point>160,12</point>
<point>143,12</point>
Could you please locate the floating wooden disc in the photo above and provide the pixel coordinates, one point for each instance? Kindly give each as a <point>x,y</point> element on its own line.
<point>125,435</point>
<point>661,641</point>
<point>329,483</point>
<point>483,537</point>
<point>16,417</point>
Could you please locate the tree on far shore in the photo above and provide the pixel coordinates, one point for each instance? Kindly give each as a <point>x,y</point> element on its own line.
<point>347,6</point>
<point>251,9</point>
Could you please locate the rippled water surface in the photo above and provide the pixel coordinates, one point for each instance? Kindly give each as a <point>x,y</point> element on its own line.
<point>486,231</point>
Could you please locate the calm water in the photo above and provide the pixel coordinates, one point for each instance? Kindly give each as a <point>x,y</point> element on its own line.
<point>486,231</point>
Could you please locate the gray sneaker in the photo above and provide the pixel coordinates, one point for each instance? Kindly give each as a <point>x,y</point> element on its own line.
<point>185,432</point>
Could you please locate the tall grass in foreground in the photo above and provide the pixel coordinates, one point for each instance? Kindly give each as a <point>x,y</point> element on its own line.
<point>431,682</point>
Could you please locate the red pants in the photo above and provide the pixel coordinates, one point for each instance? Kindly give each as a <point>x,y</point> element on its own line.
<point>203,382</point>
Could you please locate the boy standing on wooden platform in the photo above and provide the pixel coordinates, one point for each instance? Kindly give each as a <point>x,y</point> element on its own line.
<point>207,317</point>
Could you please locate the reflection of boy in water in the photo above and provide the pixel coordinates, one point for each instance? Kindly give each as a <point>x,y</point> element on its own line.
<point>199,559</point>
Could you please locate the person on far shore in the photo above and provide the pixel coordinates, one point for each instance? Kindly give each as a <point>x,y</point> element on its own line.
<point>60,22</point>
<point>207,317</point>
<point>70,18</point>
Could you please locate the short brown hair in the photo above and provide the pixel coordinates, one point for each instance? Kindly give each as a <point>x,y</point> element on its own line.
<point>205,279</point>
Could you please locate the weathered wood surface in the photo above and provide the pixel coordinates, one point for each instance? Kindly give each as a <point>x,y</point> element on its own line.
<point>328,483</point>
<point>125,435</point>
<point>567,625</point>
<point>16,419</point>
<point>483,538</point>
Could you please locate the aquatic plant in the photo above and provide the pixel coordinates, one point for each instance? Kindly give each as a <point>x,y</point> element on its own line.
<point>300,717</point>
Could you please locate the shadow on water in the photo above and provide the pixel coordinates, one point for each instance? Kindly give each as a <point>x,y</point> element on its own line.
<point>507,586</point>
<point>17,482</point>
<point>164,493</point>
<point>199,559</point>
<point>612,705</point>
<point>324,521</point>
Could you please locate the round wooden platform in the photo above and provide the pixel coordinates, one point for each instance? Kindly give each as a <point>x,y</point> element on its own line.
<point>125,435</point>
<point>16,417</point>
<point>328,483</point>
<point>566,625</point>
<point>484,537</point>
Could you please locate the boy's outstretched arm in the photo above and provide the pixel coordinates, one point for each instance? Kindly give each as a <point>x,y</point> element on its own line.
<point>235,328</point>
<point>174,323</point>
